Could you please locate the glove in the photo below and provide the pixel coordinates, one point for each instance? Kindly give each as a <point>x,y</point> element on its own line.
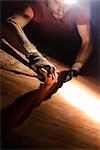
<point>71,73</point>
<point>37,61</point>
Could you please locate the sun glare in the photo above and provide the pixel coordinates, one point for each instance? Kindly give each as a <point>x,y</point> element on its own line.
<point>70,1</point>
<point>79,97</point>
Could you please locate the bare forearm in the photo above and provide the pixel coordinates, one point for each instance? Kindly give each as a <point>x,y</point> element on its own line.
<point>84,53</point>
<point>14,113</point>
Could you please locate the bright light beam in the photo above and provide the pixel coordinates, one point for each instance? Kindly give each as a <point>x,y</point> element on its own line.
<point>82,99</point>
<point>70,1</point>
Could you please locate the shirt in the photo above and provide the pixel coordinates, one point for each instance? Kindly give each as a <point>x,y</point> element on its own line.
<point>59,36</point>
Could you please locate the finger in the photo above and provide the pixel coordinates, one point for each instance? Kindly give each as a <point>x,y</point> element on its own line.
<point>43,72</point>
<point>53,76</point>
<point>52,70</point>
<point>56,76</point>
<point>47,76</point>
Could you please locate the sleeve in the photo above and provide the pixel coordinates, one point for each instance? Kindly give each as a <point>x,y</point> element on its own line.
<point>82,12</point>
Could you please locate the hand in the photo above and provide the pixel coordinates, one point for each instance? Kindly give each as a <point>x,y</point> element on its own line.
<point>45,71</point>
<point>37,61</point>
<point>49,78</point>
<point>71,73</point>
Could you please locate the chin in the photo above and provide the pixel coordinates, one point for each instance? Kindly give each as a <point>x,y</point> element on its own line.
<point>58,16</point>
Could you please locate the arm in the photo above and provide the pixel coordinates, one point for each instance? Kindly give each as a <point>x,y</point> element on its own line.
<point>36,59</point>
<point>17,22</point>
<point>84,52</point>
<point>85,49</point>
<point>22,107</point>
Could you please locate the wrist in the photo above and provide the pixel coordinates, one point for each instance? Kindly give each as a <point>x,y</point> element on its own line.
<point>77,66</point>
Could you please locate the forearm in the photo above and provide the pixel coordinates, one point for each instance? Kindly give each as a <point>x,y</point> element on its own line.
<point>23,105</point>
<point>83,55</point>
<point>36,59</point>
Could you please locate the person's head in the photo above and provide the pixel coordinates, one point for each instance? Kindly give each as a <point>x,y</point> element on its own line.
<point>58,7</point>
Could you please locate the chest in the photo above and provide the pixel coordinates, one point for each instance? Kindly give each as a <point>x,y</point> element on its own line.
<point>46,23</point>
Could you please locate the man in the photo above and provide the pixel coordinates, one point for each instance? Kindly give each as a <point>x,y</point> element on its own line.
<point>55,19</point>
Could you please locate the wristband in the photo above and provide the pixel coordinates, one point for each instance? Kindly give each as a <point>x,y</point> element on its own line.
<point>77,66</point>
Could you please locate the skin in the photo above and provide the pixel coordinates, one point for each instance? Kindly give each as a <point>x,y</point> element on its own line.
<point>14,113</point>
<point>58,10</point>
<point>49,79</point>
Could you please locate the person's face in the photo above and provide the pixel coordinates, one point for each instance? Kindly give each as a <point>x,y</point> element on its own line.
<point>57,7</point>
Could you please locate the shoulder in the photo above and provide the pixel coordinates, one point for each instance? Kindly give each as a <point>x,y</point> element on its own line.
<point>82,12</point>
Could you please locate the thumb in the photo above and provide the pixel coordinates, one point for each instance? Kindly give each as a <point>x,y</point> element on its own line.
<point>43,72</point>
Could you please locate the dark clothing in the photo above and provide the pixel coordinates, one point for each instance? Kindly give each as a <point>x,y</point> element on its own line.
<point>57,37</point>
<point>47,24</point>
